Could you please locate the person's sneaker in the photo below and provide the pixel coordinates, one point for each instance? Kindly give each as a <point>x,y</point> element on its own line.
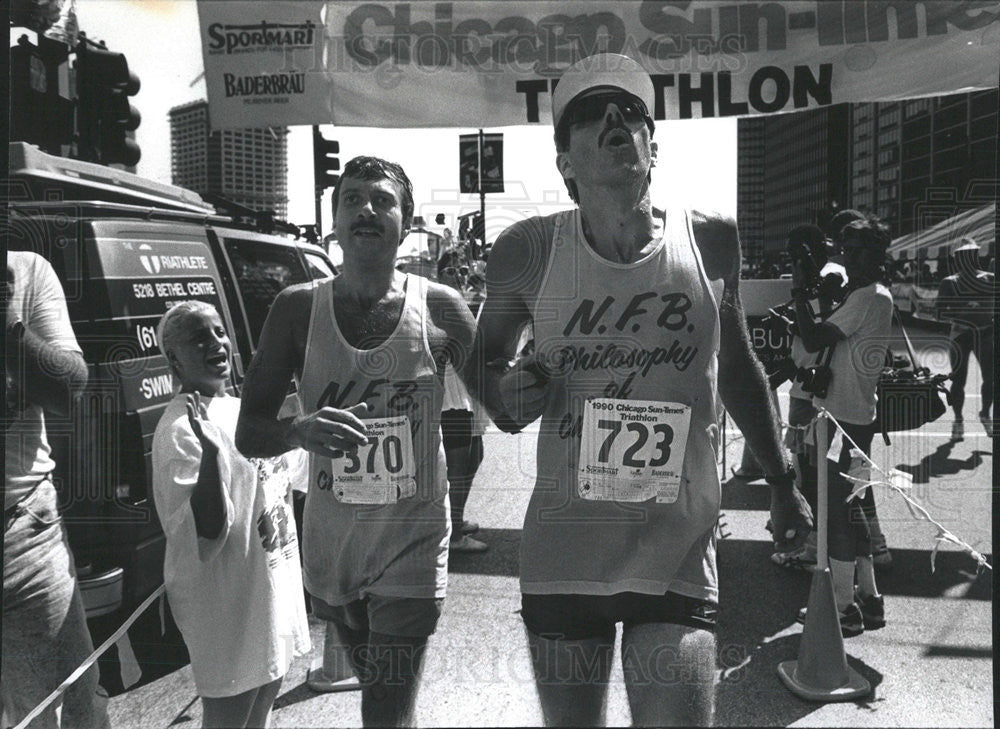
<point>957,430</point>
<point>872,610</point>
<point>852,622</point>
<point>469,527</point>
<point>987,425</point>
<point>803,558</point>
<point>468,545</point>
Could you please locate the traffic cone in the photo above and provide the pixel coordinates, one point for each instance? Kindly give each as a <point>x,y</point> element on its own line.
<point>821,673</point>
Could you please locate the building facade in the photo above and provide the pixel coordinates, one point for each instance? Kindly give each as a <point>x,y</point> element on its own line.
<point>916,162</point>
<point>246,166</point>
<point>791,167</point>
<point>912,163</point>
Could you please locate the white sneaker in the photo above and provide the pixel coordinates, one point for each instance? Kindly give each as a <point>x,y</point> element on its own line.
<point>958,430</point>
<point>468,545</point>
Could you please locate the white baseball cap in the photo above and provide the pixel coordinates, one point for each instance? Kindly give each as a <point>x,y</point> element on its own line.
<point>966,243</point>
<point>602,70</point>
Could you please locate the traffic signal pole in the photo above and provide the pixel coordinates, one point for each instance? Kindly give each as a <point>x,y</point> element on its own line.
<point>325,165</point>
<point>317,191</point>
<point>482,199</point>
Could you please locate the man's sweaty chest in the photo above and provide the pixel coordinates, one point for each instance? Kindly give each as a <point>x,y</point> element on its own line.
<point>366,328</point>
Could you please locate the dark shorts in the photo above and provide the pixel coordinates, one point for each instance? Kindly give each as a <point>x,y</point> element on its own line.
<point>579,617</point>
<point>410,617</point>
<point>456,428</point>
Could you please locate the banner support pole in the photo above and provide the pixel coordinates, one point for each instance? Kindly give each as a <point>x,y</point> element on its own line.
<point>317,193</point>
<point>482,198</point>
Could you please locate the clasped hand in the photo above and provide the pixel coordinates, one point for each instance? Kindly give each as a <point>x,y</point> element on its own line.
<point>791,518</point>
<point>329,430</point>
<point>522,391</point>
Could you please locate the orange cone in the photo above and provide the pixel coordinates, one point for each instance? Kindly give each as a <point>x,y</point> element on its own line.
<point>821,673</point>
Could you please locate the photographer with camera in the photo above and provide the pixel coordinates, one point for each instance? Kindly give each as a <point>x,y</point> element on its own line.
<point>850,346</point>
<point>825,282</point>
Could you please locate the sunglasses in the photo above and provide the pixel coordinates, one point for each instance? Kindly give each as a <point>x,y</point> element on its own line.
<point>593,108</point>
<point>451,270</point>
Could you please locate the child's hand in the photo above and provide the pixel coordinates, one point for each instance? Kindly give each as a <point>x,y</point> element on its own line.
<point>202,427</point>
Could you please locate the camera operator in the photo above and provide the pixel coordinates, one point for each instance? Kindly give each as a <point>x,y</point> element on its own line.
<point>844,383</point>
<point>825,282</point>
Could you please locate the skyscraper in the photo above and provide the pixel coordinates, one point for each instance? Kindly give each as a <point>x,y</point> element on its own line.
<point>247,166</point>
<point>791,167</point>
<point>912,163</point>
<point>916,162</point>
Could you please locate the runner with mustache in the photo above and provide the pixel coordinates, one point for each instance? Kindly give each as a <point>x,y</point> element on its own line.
<point>632,350</point>
<point>368,351</point>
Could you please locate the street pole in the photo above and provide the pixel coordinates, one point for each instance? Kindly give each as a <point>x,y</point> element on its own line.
<point>317,192</point>
<point>482,196</point>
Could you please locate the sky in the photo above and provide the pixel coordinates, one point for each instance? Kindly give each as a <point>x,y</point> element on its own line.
<point>160,38</point>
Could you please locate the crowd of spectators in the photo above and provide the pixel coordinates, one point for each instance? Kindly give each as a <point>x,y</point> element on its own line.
<point>927,272</point>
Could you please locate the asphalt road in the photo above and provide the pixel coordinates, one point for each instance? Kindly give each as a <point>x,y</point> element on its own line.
<point>931,666</point>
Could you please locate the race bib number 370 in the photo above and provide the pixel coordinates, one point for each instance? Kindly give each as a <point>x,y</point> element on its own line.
<point>632,450</point>
<point>380,472</point>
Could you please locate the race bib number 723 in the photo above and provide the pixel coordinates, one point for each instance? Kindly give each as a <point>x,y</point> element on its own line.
<point>632,450</point>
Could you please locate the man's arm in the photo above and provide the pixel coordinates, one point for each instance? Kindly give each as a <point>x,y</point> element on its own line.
<point>41,356</point>
<point>45,374</point>
<point>513,395</point>
<point>451,316</point>
<point>280,353</point>
<point>742,382</point>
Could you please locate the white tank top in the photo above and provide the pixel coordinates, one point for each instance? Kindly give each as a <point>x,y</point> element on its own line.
<point>642,331</point>
<point>393,550</point>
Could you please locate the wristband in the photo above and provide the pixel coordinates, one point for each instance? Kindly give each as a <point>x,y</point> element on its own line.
<point>15,331</point>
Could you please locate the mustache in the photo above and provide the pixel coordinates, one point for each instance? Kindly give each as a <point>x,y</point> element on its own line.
<point>608,129</point>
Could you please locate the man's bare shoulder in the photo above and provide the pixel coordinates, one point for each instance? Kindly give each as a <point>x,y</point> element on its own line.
<point>718,241</point>
<point>296,299</point>
<point>519,256</point>
<point>441,299</point>
<point>708,222</point>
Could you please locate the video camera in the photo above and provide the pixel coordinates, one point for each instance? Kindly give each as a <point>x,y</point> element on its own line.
<point>801,254</point>
<point>806,245</point>
<point>815,379</point>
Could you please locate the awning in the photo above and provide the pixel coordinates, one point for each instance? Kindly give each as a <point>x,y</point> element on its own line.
<point>979,223</point>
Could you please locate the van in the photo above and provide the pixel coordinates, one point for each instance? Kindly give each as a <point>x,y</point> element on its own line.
<point>126,249</point>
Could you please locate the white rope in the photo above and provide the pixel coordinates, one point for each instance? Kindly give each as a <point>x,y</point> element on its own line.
<point>900,482</point>
<point>61,689</point>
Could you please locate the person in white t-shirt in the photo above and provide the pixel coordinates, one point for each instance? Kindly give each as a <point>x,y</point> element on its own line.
<point>858,333</point>
<point>231,567</point>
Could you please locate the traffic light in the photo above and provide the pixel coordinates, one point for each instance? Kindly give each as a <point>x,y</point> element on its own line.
<point>325,162</point>
<point>104,114</point>
<point>39,114</point>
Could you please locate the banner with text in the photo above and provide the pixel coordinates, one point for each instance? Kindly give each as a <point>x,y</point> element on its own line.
<point>463,64</point>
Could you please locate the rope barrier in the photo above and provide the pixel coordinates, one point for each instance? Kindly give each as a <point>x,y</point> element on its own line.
<point>900,482</point>
<point>90,660</point>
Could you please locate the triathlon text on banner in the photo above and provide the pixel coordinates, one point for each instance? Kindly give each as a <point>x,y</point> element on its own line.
<point>460,64</point>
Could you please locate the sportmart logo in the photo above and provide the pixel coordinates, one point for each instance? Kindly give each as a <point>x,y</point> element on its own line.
<point>230,39</point>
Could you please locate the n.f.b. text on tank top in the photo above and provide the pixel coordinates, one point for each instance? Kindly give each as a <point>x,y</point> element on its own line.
<point>376,517</point>
<point>627,493</point>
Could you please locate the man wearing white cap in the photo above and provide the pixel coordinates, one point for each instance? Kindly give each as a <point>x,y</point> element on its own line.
<point>631,348</point>
<point>966,298</point>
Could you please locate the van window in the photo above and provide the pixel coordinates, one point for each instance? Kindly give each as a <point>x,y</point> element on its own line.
<point>261,271</point>
<point>318,266</point>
